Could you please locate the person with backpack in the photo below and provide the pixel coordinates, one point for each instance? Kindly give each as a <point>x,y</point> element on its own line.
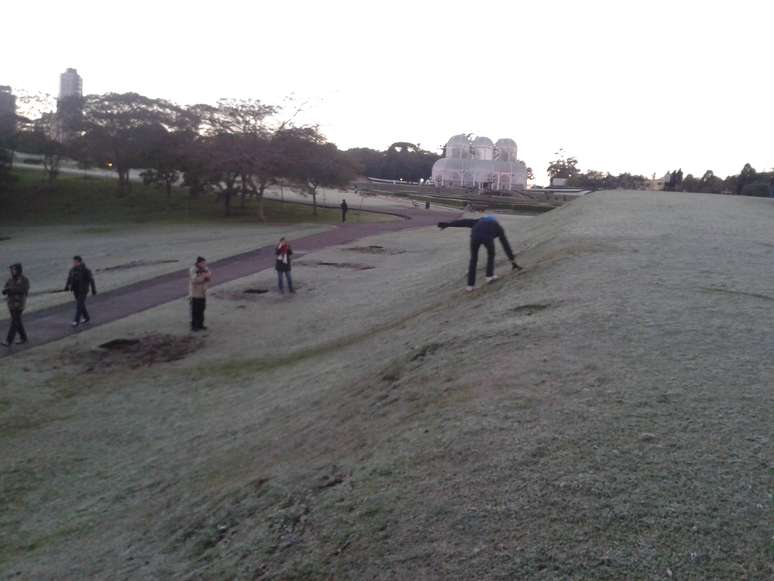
<point>15,292</point>
<point>282,265</point>
<point>79,281</point>
<point>199,281</point>
<point>483,232</point>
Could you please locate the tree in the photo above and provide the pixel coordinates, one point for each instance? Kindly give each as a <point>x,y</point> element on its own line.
<point>165,157</point>
<point>563,166</point>
<point>746,176</point>
<point>116,128</point>
<point>690,184</point>
<point>401,161</point>
<point>238,138</point>
<point>309,161</point>
<point>40,137</point>
<point>710,183</point>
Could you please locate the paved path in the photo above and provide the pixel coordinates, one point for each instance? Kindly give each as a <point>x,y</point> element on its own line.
<point>51,324</point>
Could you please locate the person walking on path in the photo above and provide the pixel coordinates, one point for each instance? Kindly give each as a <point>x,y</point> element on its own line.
<point>199,280</point>
<point>15,292</point>
<point>344,210</point>
<point>79,281</point>
<point>282,265</point>
<point>483,232</point>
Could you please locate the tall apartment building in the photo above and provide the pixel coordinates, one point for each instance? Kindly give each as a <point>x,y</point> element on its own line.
<point>70,84</point>
<point>7,113</point>
<point>69,109</point>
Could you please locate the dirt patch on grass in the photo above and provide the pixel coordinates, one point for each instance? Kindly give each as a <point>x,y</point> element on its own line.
<point>346,265</point>
<point>529,310</point>
<point>375,249</point>
<point>136,352</point>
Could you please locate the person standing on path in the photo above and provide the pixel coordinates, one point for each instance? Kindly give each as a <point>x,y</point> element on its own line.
<point>15,292</point>
<point>199,280</point>
<point>344,210</point>
<point>282,265</point>
<point>483,232</point>
<point>79,281</point>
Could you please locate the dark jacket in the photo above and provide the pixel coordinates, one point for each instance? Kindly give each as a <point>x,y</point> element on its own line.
<point>16,289</point>
<point>283,265</point>
<point>483,230</point>
<point>79,280</point>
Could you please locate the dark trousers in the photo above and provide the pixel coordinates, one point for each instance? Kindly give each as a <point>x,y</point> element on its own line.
<point>344,215</point>
<point>490,259</point>
<point>81,314</point>
<point>285,274</point>
<point>16,326</point>
<point>197,312</point>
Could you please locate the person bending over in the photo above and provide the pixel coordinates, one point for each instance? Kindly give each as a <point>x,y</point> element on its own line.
<point>483,232</point>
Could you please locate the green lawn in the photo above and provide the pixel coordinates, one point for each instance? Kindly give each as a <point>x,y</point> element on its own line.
<point>30,200</point>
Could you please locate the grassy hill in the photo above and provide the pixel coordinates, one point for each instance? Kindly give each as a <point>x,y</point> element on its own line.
<point>607,413</point>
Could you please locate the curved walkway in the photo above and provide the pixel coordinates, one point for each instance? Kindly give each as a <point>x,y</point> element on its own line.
<point>51,324</point>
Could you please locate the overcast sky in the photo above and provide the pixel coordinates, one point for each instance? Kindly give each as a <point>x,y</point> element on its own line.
<point>640,86</point>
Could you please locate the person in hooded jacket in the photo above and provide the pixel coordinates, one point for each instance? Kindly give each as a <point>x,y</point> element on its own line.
<point>483,232</point>
<point>79,281</point>
<point>15,292</point>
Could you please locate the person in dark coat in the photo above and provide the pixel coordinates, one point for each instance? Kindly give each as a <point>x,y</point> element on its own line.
<point>79,281</point>
<point>483,232</point>
<point>15,292</point>
<point>199,279</point>
<point>284,253</point>
<point>344,210</point>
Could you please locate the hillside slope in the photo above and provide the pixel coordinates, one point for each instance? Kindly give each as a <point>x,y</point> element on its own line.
<point>605,414</point>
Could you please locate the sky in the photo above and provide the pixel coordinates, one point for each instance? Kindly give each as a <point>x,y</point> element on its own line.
<point>625,85</point>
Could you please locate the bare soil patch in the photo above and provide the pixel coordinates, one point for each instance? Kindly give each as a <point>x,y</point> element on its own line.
<point>134,352</point>
<point>375,249</point>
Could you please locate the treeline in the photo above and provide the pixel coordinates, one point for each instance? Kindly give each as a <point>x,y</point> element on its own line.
<point>747,182</point>
<point>401,161</point>
<point>236,148</point>
<point>597,180</point>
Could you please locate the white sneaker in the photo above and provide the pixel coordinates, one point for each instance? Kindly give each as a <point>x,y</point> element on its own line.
<point>492,278</point>
<point>470,289</point>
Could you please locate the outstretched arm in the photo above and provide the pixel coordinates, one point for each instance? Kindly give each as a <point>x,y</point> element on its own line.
<point>507,248</point>
<point>464,223</point>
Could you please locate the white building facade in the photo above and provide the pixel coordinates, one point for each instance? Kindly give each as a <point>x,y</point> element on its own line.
<point>481,164</point>
<point>70,84</point>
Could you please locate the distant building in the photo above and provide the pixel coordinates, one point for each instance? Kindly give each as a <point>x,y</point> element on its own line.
<point>480,164</point>
<point>69,108</point>
<point>7,112</point>
<point>70,84</point>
